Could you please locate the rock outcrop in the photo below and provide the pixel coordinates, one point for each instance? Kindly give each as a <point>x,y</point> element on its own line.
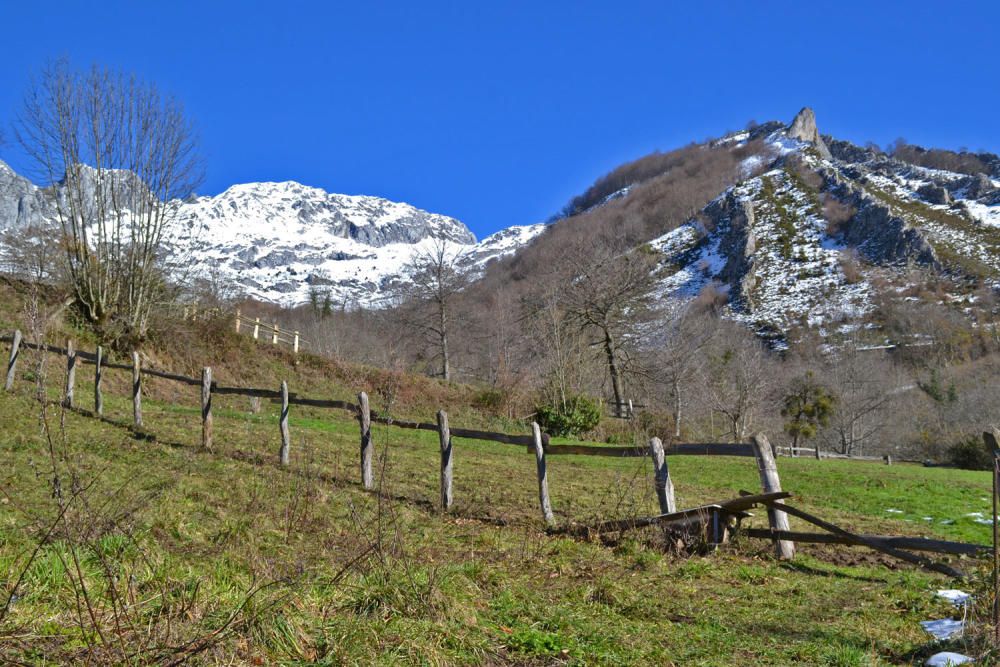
<point>932,193</point>
<point>803,128</point>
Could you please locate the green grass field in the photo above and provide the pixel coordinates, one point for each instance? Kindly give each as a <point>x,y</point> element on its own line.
<point>156,560</point>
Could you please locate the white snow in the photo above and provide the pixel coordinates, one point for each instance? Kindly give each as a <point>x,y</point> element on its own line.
<point>278,241</point>
<point>944,628</point>
<point>947,659</point>
<point>955,596</point>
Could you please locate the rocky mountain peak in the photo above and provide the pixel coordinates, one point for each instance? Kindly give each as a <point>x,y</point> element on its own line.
<point>804,128</point>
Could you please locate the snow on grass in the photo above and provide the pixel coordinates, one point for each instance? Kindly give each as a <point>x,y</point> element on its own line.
<point>944,628</point>
<point>947,659</point>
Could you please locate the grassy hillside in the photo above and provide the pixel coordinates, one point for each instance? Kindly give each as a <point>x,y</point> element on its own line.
<point>165,552</point>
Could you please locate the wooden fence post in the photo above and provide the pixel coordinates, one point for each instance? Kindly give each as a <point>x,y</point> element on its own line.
<point>256,327</point>
<point>70,373</point>
<point>136,390</point>
<point>206,408</point>
<point>445,436</point>
<point>990,439</point>
<point>274,334</point>
<point>770,482</point>
<point>237,320</point>
<point>816,452</point>
<point>15,351</point>
<point>283,424</point>
<point>543,480</point>
<point>664,487</point>
<point>98,376</point>
<point>295,342</point>
<point>365,420</point>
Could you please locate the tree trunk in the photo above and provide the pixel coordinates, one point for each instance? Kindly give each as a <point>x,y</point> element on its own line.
<point>616,380</point>
<point>445,361</point>
<point>677,409</point>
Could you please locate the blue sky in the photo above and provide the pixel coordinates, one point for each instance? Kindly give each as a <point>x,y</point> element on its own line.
<point>497,113</point>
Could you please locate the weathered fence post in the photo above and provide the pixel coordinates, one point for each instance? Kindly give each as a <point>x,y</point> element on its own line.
<point>15,350</point>
<point>256,327</point>
<point>283,424</point>
<point>990,439</point>
<point>543,480</point>
<point>136,390</point>
<point>664,487</point>
<point>365,420</point>
<point>445,436</point>
<point>770,482</point>
<point>237,320</point>
<point>295,342</point>
<point>274,334</point>
<point>206,407</point>
<point>98,376</point>
<point>70,373</point>
<point>816,451</point>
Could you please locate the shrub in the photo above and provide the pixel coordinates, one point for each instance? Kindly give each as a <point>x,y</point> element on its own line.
<point>970,454</point>
<point>578,415</point>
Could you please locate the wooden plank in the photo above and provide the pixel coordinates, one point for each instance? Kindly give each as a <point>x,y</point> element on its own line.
<point>402,423</point>
<point>172,376</point>
<point>98,379</point>
<point>898,541</point>
<point>283,426</point>
<point>70,374</point>
<point>15,352</point>
<point>683,518</point>
<point>136,390</point>
<point>661,476</point>
<point>863,541</point>
<point>471,434</point>
<point>504,438</point>
<point>120,367</point>
<point>770,483</point>
<point>323,403</point>
<point>683,449</point>
<point>543,480</point>
<point>206,408</point>
<point>367,449</point>
<point>247,391</point>
<point>446,449</point>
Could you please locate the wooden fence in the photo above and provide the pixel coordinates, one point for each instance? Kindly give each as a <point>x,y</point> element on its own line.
<point>536,442</point>
<point>266,331</point>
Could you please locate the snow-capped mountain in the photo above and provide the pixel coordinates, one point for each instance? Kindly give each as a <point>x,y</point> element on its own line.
<point>278,242</point>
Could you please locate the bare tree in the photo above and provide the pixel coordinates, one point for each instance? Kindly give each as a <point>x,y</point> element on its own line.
<point>679,355</point>
<point>435,283</point>
<point>116,156</point>
<point>865,386</point>
<point>609,299</point>
<point>738,381</point>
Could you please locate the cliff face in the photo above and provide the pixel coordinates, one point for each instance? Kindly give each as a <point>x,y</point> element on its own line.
<point>804,241</point>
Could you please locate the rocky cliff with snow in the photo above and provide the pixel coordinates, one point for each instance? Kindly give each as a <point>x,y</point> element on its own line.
<point>813,238</point>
